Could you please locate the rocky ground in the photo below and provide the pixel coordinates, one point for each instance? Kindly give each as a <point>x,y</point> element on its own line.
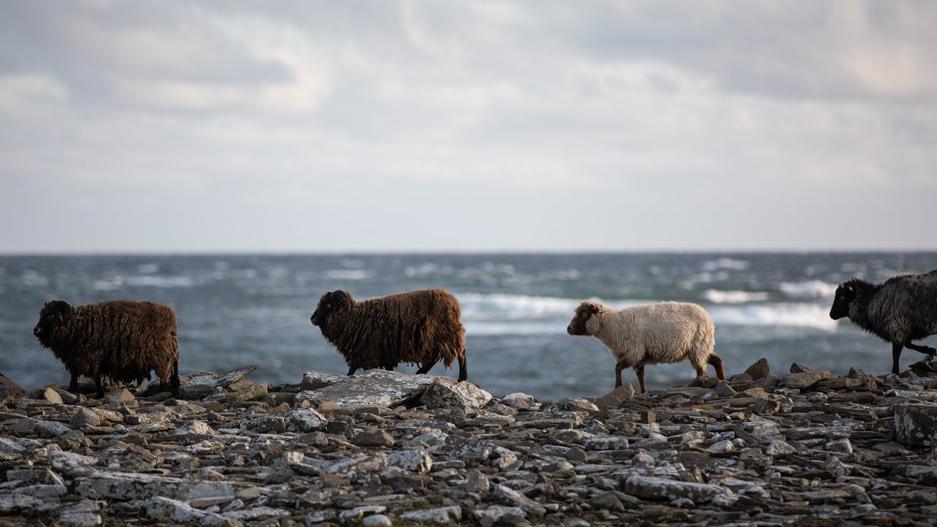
<point>389,448</point>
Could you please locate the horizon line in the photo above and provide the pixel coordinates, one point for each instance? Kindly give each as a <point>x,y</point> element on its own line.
<point>448,252</point>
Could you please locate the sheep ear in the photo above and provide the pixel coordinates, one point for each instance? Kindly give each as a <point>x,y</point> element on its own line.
<point>850,288</point>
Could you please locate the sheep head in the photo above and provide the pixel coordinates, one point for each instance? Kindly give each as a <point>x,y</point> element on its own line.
<point>331,303</point>
<point>579,325</point>
<point>845,294</point>
<point>53,316</point>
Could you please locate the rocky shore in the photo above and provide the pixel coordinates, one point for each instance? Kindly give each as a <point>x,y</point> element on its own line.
<point>796,447</point>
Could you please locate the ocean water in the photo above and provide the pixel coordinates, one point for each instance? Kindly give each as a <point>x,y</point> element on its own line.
<point>254,309</point>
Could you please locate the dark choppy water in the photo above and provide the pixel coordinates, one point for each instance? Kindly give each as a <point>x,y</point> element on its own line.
<point>236,310</point>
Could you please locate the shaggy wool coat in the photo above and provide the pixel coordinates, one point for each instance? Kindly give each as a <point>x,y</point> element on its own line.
<point>120,340</point>
<point>418,327</point>
<point>657,333</point>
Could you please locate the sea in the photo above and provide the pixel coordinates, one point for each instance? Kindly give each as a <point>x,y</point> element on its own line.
<point>236,310</point>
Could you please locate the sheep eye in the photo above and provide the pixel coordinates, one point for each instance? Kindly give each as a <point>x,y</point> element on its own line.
<point>328,306</point>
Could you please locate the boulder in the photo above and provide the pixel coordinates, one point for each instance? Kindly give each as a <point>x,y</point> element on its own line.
<point>446,393</point>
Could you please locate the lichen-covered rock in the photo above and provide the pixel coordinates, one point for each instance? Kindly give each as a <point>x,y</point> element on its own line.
<point>654,488</point>
<point>446,393</point>
<point>375,388</point>
<point>916,424</point>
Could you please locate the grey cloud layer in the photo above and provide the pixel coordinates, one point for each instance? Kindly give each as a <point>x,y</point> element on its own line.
<point>246,125</point>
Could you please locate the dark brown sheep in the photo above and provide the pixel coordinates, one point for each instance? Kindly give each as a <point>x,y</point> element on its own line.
<point>419,327</point>
<point>120,340</point>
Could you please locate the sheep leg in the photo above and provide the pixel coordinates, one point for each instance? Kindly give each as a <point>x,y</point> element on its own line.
<point>895,355</point>
<point>174,380</point>
<point>620,365</point>
<point>463,368</point>
<point>921,349</point>
<point>639,371</point>
<point>425,367</point>
<point>352,370</point>
<point>98,386</point>
<point>716,362</point>
<point>73,383</point>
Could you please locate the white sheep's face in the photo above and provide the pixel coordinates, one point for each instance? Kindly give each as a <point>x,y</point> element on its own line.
<point>583,322</point>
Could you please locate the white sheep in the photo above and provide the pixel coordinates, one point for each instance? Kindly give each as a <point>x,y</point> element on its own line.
<point>650,334</point>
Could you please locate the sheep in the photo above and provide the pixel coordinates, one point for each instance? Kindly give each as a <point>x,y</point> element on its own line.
<point>900,310</point>
<point>650,334</point>
<point>121,340</point>
<point>415,327</point>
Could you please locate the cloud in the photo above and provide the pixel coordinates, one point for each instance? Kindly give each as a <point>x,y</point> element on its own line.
<point>507,119</point>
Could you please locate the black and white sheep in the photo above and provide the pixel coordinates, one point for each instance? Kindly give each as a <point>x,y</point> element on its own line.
<point>900,310</point>
<point>650,334</point>
<point>121,340</point>
<point>419,327</point>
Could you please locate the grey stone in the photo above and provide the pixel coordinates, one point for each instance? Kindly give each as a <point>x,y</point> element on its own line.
<point>373,438</point>
<point>194,430</point>
<point>376,520</point>
<point>802,380</point>
<point>313,380</point>
<point>759,370</point>
<point>654,488</point>
<point>916,424</point>
<point>84,417</point>
<point>491,515</point>
<point>49,429</point>
<point>199,385</point>
<point>305,420</point>
<point>439,515</point>
<point>515,498</point>
<point>446,393</point>
<point>375,388</point>
<point>170,510</point>
<point>411,460</point>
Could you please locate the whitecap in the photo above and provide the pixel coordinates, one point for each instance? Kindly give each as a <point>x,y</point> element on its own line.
<point>148,268</point>
<point>780,314</point>
<point>730,264</point>
<point>808,289</point>
<point>717,296</point>
<point>32,278</point>
<point>347,274</point>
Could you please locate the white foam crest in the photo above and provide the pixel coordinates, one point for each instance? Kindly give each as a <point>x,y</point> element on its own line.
<point>347,274</point>
<point>119,281</point>
<point>731,264</point>
<point>808,289</point>
<point>32,278</point>
<point>717,296</point>
<point>500,306</point>
<point>148,268</point>
<point>781,314</point>
<point>427,269</point>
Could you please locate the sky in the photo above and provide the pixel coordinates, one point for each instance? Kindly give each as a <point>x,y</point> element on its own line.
<point>162,126</point>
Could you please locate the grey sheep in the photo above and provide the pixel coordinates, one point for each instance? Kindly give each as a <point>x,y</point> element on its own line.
<point>900,310</point>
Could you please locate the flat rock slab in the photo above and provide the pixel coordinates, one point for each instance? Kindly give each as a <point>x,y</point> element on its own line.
<point>801,380</point>
<point>653,488</point>
<point>375,388</point>
<point>916,424</point>
<point>198,385</point>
